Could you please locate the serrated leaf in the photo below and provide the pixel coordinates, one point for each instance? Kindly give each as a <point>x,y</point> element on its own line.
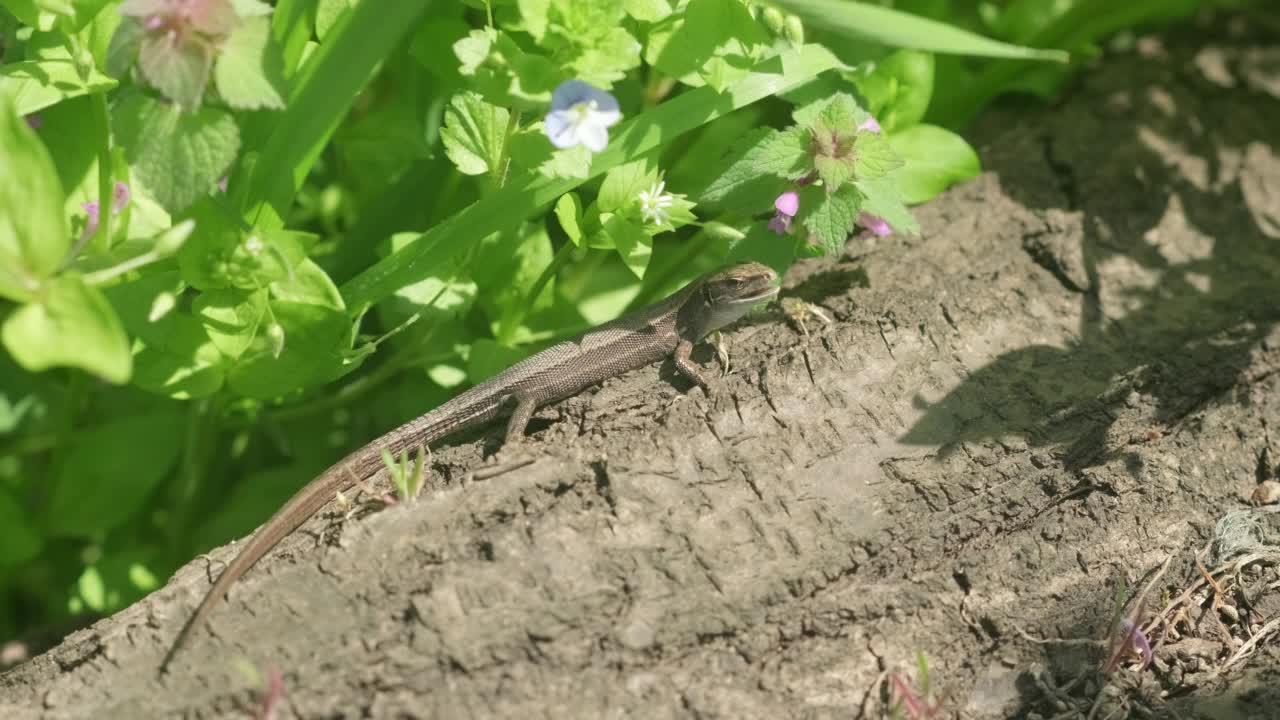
<point>179,156</point>
<point>250,68</point>
<point>934,159</point>
<point>34,238</point>
<point>882,199</point>
<point>474,133</point>
<point>833,218</point>
<point>231,318</point>
<point>834,171</point>
<point>178,70</point>
<point>785,154</point>
<point>105,480</point>
<point>873,156</point>
<point>70,324</point>
<point>37,84</point>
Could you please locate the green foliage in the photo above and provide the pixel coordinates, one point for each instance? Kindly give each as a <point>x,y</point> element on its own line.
<point>238,241</point>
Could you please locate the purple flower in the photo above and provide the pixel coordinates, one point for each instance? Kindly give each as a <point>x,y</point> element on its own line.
<point>35,122</point>
<point>787,205</point>
<point>870,124</point>
<point>1138,641</point>
<point>581,115</point>
<point>875,225</point>
<point>119,200</point>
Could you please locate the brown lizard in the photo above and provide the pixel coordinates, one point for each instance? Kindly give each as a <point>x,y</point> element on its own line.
<point>668,328</point>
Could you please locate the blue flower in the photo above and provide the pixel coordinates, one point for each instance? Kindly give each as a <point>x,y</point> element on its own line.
<point>581,115</point>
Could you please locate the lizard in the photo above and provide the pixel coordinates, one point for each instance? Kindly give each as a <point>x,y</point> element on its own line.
<point>668,328</point>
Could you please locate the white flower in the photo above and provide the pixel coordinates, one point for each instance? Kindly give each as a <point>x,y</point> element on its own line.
<point>653,204</point>
<point>581,115</point>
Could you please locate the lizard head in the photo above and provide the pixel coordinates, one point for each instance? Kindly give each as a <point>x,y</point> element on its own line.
<point>729,293</point>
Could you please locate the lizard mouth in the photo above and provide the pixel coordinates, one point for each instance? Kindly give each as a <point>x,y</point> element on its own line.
<point>764,294</point>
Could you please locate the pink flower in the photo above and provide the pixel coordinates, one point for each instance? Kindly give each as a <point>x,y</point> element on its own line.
<point>877,226</point>
<point>870,124</point>
<point>119,200</point>
<point>787,205</point>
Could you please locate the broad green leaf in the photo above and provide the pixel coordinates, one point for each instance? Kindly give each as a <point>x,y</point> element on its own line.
<point>569,213</point>
<point>232,318</point>
<point>873,156</point>
<point>522,197</point>
<point>882,198</point>
<point>504,73</point>
<point>833,218</point>
<point>308,283</point>
<point>33,229</point>
<point>784,154</point>
<point>934,159</point>
<point>648,10</point>
<point>250,68</point>
<point>533,14</point>
<point>179,70</point>
<point>473,134</point>
<point>36,84</point>
<point>634,245</point>
<point>173,355</point>
<point>742,186</point>
<point>69,324</point>
<point>18,535</point>
<point>864,22</point>
<point>31,13</point>
<point>179,156</point>
<point>108,475</point>
<point>313,350</point>
<point>716,39</point>
<point>899,89</point>
<point>622,186</point>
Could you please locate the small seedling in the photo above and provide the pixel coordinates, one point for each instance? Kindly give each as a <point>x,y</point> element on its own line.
<point>907,702</point>
<point>406,476</point>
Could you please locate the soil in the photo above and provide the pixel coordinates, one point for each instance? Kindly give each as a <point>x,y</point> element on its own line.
<point>1050,399</point>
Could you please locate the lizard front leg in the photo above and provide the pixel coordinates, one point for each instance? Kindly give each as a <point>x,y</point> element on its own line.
<point>525,407</point>
<point>689,368</point>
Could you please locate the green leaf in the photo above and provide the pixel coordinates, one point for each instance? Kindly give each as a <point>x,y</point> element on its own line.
<point>316,340</point>
<point>219,255</point>
<point>232,318</point>
<point>250,68</point>
<point>864,22</point>
<point>19,538</point>
<point>105,479</point>
<point>33,229</point>
<point>712,30</point>
<point>178,156</point>
<point>832,220</point>
<point>873,156</point>
<point>308,283</point>
<point>178,70</point>
<point>321,97</point>
<point>648,10</point>
<point>327,14</point>
<point>742,186</point>
<point>523,196</point>
<point>784,154</point>
<point>505,74</point>
<point>935,159</point>
<point>69,325</point>
<point>622,186</point>
<point>634,245</point>
<point>899,89</point>
<point>36,84</point>
<point>882,198</point>
<point>569,213</point>
<point>173,355</point>
<point>473,134</point>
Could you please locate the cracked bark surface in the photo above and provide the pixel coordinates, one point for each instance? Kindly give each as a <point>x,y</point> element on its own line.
<point>1069,378</point>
